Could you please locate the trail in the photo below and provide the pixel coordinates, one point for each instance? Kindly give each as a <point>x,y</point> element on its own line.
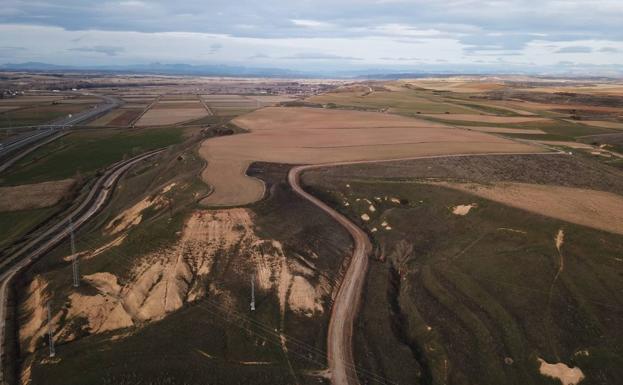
<point>342,369</point>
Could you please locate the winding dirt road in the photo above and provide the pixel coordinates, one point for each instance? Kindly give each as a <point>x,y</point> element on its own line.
<point>340,358</point>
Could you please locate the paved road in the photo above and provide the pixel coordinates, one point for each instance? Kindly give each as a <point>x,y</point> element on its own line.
<point>44,242</point>
<point>11,150</point>
<point>346,304</point>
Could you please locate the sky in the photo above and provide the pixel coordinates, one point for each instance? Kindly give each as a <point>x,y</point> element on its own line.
<point>319,35</point>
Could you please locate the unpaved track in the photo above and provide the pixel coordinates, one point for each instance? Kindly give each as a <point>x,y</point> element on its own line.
<point>37,247</point>
<point>340,358</point>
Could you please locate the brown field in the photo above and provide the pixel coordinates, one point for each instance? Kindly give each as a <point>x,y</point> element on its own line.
<point>33,196</point>
<point>9,108</point>
<point>576,145</point>
<point>311,135</point>
<point>603,89</point>
<point>79,101</point>
<point>456,85</point>
<point>106,119</point>
<point>130,106</point>
<point>164,116</point>
<point>568,107</point>
<point>601,123</point>
<point>231,111</point>
<point>126,117</point>
<point>503,130</point>
<point>177,104</point>
<point>486,118</point>
<point>28,100</point>
<point>597,209</point>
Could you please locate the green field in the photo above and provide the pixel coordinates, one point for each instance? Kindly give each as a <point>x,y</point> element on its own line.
<point>14,224</point>
<point>406,102</point>
<point>85,152</point>
<point>39,114</point>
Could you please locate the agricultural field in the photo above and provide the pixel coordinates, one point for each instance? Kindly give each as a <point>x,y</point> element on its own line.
<point>84,152</point>
<point>172,111</point>
<point>559,116</point>
<point>35,115</point>
<point>313,135</point>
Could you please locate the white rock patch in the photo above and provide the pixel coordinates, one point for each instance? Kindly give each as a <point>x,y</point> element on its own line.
<point>560,371</point>
<point>463,209</point>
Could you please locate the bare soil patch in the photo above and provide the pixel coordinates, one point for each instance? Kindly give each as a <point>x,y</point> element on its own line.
<point>33,196</point>
<point>164,116</point>
<point>560,371</point>
<point>597,209</point>
<point>314,136</point>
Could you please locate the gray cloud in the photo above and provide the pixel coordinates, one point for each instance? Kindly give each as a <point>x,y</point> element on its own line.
<point>259,56</point>
<point>575,49</point>
<point>214,48</point>
<point>349,32</point>
<point>319,56</point>
<point>101,49</point>
<point>400,58</point>
<point>278,18</point>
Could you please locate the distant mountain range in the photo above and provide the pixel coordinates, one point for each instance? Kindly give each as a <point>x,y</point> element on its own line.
<point>369,73</point>
<point>158,68</point>
<point>222,70</point>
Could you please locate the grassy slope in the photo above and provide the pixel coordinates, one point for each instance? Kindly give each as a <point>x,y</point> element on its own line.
<point>484,292</point>
<point>14,224</point>
<point>170,351</point>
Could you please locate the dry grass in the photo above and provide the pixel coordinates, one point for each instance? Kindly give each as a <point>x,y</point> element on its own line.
<point>503,130</point>
<point>597,209</point>
<point>33,196</point>
<point>486,118</point>
<point>314,136</point>
<point>457,85</point>
<point>603,124</point>
<point>164,116</point>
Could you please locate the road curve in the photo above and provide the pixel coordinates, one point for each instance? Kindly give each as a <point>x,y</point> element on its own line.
<point>41,244</point>
<point>340,358</point>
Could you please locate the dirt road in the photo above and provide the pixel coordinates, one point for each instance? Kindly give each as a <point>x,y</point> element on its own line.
<point>346,304</point>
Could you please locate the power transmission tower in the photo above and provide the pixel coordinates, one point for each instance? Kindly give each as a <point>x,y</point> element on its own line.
<point>74,262</point>
<point>253,293</point>
<point>50,337</point>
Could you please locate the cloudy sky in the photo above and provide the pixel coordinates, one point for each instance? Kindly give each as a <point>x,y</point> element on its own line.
<point>317,34</point>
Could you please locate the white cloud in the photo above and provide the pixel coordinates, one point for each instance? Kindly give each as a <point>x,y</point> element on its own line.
<point>310,23</point>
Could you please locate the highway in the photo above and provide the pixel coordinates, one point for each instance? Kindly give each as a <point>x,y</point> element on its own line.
<point>342,366</point>
<point>9,151</point>
<point>39,245</point>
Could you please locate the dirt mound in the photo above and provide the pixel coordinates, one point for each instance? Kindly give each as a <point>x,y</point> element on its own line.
<point>35,310</point>
<point>161,282</point>
<point>133,216</point>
